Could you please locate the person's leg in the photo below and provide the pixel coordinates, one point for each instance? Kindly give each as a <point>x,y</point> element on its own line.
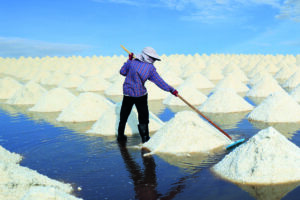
<point>126,107</point>
<point>141,104</point>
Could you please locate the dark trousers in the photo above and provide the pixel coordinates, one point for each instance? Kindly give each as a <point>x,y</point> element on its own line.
<point>141,104</point>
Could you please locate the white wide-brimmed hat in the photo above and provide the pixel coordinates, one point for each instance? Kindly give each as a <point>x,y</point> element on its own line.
<point>151,52</point>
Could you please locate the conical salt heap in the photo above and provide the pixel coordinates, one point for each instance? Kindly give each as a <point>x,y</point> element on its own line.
<point>71,81</point>
<point>108,123</point>
<point>212,73</point>
<point>8,87</point>
<point>115,88</point>
<point>54,100</point>
<point>154,92</point>
<point>186,90</point>
<point>54,78</point>
<point>171,78</point>
<point>199,81</point>
<point>186,133</point>
<point>29,94</point>
<point>293,81</point>
<point>278,107</point>
<point>239,74</point>
<point>284,73</point>
<point>295,93</point>
<point>9,157</point>
<point>230,81</point>
<point>258,77</point>
<point>93,84</point>
<point>225,101</point>
<point>266,158</point>
<point>264,87</point>
<point>86,107</point>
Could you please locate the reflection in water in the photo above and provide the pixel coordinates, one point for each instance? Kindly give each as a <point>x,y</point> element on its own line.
<point>156,106</point>
<point>145,181</point>
<point>269,192</point>
<point>287,129</point>
<point>226,120</point>
<point>176,109</point>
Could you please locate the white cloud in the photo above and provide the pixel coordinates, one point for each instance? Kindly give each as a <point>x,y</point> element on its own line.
<point>15,47</point>
<point>290,10</point>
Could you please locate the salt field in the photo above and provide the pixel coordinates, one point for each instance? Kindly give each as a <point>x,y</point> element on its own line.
<point>59,125</point>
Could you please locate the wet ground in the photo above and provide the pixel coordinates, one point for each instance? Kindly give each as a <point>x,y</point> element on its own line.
<point>106,170</point>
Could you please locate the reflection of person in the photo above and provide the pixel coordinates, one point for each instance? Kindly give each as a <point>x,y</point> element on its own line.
<point>145,182</point>
<point>137,72</point>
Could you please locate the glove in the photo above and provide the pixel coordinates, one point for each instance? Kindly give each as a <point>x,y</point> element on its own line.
<point>130,56</point>
<point>175,93</point>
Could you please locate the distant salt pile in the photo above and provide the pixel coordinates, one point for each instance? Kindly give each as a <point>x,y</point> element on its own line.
<point>29,94</point>
<point>171,78</point>
<point>225,101</point>
<point>239,74</point>
<point>41,75</point>
<point>278,107</point>
<point>154,92</point>
<point>264,87</point>
<point>115,88</point>
<point>93,84</point>
<point>108,123</point>
<point>188,91</point>
<point>199,81</point>
<point>293,81</point>
<point>8,87</point>
<point>295,93</point>
<point>284,73</point>
<point>258,77</point>
<point>231,81</point>
<point>54,100</point>
<point>71,81</point>
<point>212,73</point>
<point>54,78</point>
<point>186,133</point>
<point>267,158</point>
<point>86,107</point>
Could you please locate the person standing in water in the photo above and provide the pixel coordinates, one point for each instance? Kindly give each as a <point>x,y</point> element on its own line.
<point>137,71</point>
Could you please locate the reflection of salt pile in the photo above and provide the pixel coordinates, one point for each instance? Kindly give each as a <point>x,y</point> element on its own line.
<point>231,81</point>
<point>108,123</point>
<point>71,81</point>
<point>293,81</point>
<point>28,94</point>
<point>278,107</point>
<point>267,158</point>
<point>8,87</point>
<point>199,81</point>
<point>225,101</point>
<point>17,182</point>
<point>187,90</point>
<point>93,83</point>
<point>86,107</point>
<point>54,100</point>
<point>184,133</point>
<point>264,87</point>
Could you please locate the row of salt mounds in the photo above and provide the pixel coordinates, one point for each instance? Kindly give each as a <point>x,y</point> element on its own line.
<point>186,89</point>
<point>230,81</point>
<point>264,87</point>
<point>285,72</point>
<point>86,107</point>
<point>108,123</point>
<point>277,107</point>
<point>186,133</point>
<point>19,182</point>
<point>71,81</point>
<point>54,100</point>
<point>225,101</point>
<point>293,81</point>
<point>266,158</point>
<point>53,78</point>
<point>93,84</point>
<point>29,94</point>
<point>8,87</point>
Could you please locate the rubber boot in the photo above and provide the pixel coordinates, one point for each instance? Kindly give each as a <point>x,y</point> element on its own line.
<point>144,132</point>
<point>121,137</point>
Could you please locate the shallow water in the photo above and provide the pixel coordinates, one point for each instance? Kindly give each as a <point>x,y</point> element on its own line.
<point>106,170</point>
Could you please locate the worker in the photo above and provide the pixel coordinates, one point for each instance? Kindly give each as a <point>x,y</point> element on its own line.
<point>137,71</point>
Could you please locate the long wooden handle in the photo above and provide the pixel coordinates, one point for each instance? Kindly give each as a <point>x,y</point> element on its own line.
<point>197,111</point>
<point>127,50</point>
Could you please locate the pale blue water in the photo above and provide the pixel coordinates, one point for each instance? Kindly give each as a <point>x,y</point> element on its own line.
<point>105,170</point>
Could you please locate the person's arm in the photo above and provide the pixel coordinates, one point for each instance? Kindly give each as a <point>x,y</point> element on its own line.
<point>124,68</point>
<point>155,78</point>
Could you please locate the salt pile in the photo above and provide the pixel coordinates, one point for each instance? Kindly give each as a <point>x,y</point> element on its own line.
<point>187,90</point>
<point>8,87</point>
<point>230,81</point>
<point>277,107</point>
<point>225,101</point>
<point>267,158</point>
<point>239,74</point>
<point>154,92</point>
<point>54,78</point>
<point>293,81</point>
<point>258,77</point>
<point>9,157</point>
<point>212,73</point>
<point>186,133</point>
<point>284,73</point>
<point>71,81</point>
<point>29,94</point>
<point>93,84</point>
<point>264,87</point>
<point>295,93</point>
<point>54,100</point>
<point>199,81</point>
<point>108,123</point>
<point>87,106</point>
<point>115,88</point>
<point>171,78</point>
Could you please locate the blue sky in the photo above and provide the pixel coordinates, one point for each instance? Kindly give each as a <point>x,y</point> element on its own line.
<point>98,27</point>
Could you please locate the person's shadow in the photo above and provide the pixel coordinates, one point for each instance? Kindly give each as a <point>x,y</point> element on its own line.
<point>145,181</point>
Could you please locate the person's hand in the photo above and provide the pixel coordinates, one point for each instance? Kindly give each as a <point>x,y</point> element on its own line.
<point>175,93</point>
<point>130,56</point>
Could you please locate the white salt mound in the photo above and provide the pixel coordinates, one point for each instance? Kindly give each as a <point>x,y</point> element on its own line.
<point>278,107</point>
<point>54,78</point>
<point>54,100</point>
<point>71,81</point>
<point>266,158</point>
<point>231,81</point>
<point>93,83</point>
<point>108,123</point>
<point>293,81</point>
<point>115,88</point>
<point>9,157</point>
<point>29,94</point>
<point>154,92</point>
<point>225,101</point>
<point>8,87</point>
<point>199,81</point>
<point>295,93</point>
<point>87,106</point>
<point>186,133</point>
